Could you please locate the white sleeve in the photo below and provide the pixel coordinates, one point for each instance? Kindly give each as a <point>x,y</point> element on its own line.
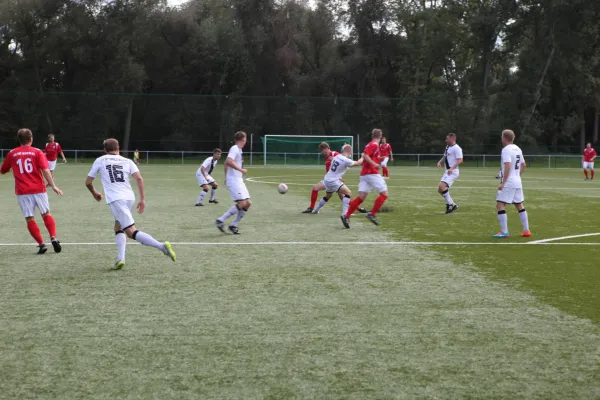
<point>233,152</point>
<point>206,163</point>
<point>133,168</point>
<point>95,169</point>
<point>348,162</point>
<point>506,157</point>
<point>459,153</point>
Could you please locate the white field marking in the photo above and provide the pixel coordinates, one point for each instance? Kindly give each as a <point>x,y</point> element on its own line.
<point>543,241</point>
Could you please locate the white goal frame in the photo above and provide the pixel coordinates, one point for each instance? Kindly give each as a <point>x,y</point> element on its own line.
<point>266,139</point>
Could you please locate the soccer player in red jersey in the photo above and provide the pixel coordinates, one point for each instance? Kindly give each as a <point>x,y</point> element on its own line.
<point>386,154</point>
<point>30,167</point>
<point>369,180</point>
<point>329,156</point>
<point>589,155</point>
<point>52,150</point>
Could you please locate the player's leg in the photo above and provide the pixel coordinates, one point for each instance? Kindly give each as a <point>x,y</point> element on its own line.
<point>585,170</point>
<point>519,200</point>
<point>384,167</point>
<point>378,184</point>
<point>27,206</point>
<point>43,205</point>
<point>504,197</point>
<point>313,197</point>
<point>121,241</point>
<point>592,169</point>
<point>213,192</point>
<point>203,192</point>
<point>444,189</point>
<point>345,196</point>
<point>323,201</point>
<point>243,207</point>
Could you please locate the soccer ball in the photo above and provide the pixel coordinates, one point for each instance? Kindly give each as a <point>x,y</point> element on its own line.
<point>282,188</point>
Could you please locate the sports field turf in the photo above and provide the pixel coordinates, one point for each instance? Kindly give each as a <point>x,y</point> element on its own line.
<point>298,307</point>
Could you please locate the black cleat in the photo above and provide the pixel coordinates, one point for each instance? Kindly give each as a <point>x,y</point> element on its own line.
<point>308,211</point>
<point>199,205</point>
<point>451,208</point>
<point>220,226</point>
<point>42,249</point>
<point>345,221</point>
<point>362,210</point>
<point>233,229</point>
<point>372,218</point>
<point>56,245</point>
<point>213,201</point>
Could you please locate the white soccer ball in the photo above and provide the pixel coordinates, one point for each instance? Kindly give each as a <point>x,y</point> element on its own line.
<point>282,188</point>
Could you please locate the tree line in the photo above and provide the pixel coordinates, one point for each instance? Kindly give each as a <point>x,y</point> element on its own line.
<point>186,78</point>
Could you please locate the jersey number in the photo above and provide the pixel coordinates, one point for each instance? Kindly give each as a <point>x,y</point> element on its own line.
<point>26,166</point>
<point>518,161</point>
<point>115,173</point>
<point>334,165</point>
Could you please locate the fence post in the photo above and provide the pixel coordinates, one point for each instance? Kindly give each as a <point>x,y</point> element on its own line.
<point>251,147</point>
<point>484,161</point>
<point>182,157</point>
<point>549,162</point>
<point>76,156</point>
<point>418,160</point>
<point>284,158</point>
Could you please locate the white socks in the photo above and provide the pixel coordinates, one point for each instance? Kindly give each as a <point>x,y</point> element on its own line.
<point>239,217</point>
<point>121,239</point>
<point>321,203</point>
<point>524,220</point>
<point>148,240</point>
<point>345,204</point>
<point>212,194</point>
<point>232,211</point>
<point>449,200</point>
<point>503,219</point>
<point>201,197</point>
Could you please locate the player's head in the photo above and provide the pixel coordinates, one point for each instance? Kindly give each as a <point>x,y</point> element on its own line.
<point>217,154</point>
<point>451,139</point>
<point>347,150</point>
<point>240,138</point>
<point>324,148</point>
<point>51,137</point>
<point>24,137</point>
<point>376,135</point>
<point>383,140</point>
<point>111,146</point>
<point>589,145</point>
<point>508,137</point>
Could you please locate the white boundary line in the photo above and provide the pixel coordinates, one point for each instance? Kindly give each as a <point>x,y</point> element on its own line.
<point>564,238</point>
<point>539,242</point>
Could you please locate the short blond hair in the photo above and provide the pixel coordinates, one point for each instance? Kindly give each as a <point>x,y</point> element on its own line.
<point>376,133</point>
<point>508,135</point>
<point>111,144</point>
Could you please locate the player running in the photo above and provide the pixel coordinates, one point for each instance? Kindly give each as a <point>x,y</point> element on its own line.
<point>369,180</point>
<point>386,154</point>
<point>30,167</point>
<point>234,180</point>
<point>136,157</point>
<point>52,150</point>
<point>115,171</point>
<point>510,190</point>
<point>205,180</point>
<point>453,157</point>
<point>333,179</point>
<point>589,155</point>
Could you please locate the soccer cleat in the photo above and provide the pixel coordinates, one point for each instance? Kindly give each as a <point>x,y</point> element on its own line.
<point>233,229</point>
<point>501,235</point>
<point>119,265</point>
<point>372,218</point>
<point>220,226</point>
<point>169,251</point>
<point>42,249</point>
<point>199,205</point>
<point>451,208</point>
<point>213,201</point>
<point>345,221</point>
<point>586,179</point>
<point>315,211</point>
<point>362,210</point>
<point>56,245</point>
<point>526,234</point>
<point>308,211</point>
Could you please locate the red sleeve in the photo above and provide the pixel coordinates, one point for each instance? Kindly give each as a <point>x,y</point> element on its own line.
<point>390,148</point>
<point>593,153</point>
<point>42,161</point>
<point>59,149</point>
<point>371,149</point>
<point>6,164</point>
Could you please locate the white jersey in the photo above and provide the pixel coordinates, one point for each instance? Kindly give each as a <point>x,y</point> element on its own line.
<point>339,166</point>
<point>115,171</point>
<point>451,155</point>
<point>209,164</point>
<point>235,153</point>
<point>512,154</point>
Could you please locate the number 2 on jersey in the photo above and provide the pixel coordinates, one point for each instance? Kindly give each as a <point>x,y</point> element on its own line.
<point>517,164</point>
<point>115,173</point>
<point>25,166</point>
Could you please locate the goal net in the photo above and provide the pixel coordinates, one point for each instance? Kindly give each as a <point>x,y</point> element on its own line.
<point>300,149</point>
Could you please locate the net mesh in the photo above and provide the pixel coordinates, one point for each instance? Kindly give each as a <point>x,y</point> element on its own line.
<point>303,145</point>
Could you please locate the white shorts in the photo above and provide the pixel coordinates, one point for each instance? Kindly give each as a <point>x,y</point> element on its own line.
<point>204,181</point>
<point>52,165</point>
<point>510,196</point>
<point>449,179</point>
<point>238,191</point>
<point>332,186</point>
<point>370,182</point>
<point>28,203</point>
<point>384,161</point>
<point>587,165</point>
<point>121,211</point>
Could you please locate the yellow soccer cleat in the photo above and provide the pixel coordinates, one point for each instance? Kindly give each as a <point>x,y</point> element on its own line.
<point>119,265</point>
<point>169,251</point>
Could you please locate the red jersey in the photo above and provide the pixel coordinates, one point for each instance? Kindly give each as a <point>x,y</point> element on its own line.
<point>372,150</point>
<point>329,159</point>
<point>589,154</point>
<point>51,151</point>
<point>385,149</point>
<point>27,164</point>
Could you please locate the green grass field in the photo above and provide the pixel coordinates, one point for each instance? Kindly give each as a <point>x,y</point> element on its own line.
<point>424,306</point>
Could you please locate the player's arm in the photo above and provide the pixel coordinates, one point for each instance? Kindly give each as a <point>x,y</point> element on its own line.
<point>203,171</point>
<point>48,176</point>
<point>523,166</point>
<point>506,174</point>
<point>369,160</point>
<point>439,164</point>
<point>391,154</point>
<point>90,179</point>
<point>5,166</point>
<point>229,162</point>
<point>140,184</point>
<point>63,156</point>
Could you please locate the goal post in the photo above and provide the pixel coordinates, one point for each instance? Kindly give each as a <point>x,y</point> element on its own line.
<point>300,149</point>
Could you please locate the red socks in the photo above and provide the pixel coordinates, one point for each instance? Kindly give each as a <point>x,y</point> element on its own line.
<point>385,172</point>
<point>313,198</point>
<point>585,172</point>
<point>378,203</point>
<point>50,225</point>
<point>34,231</point>
<point>592,174</point>
<point>354,204</point>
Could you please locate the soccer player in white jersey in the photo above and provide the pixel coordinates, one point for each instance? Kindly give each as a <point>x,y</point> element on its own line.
<point>205,180</point>
<point>510,190</point>
<point>234,180</point>
<point>333,179</point>
<point>453,157</point>
<point>115,171</point>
